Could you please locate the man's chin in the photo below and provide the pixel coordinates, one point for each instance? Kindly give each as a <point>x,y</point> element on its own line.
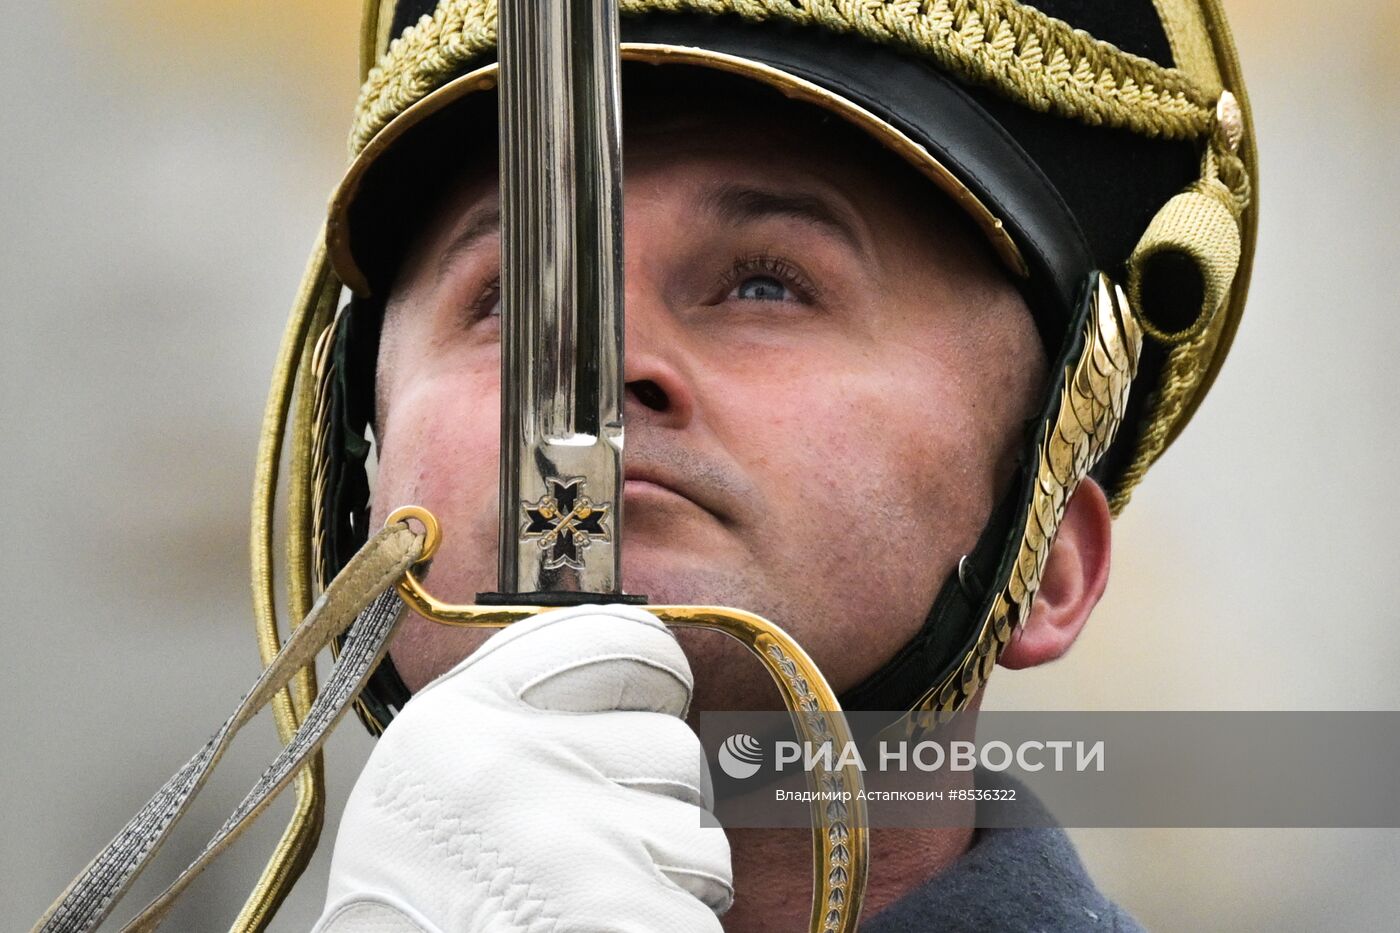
<point>727,675</point>
<point>677,573</point>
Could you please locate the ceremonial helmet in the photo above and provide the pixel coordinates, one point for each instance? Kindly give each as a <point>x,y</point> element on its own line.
<point>1103,148</point>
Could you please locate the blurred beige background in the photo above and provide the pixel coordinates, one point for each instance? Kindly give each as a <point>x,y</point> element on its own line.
<point>164,168</point>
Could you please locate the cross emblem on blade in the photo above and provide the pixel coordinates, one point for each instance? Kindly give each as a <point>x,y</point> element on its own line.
<point>565,522</point>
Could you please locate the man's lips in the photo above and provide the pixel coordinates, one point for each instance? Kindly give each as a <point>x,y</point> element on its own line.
<point>635,483</point>
<point>645,480</point>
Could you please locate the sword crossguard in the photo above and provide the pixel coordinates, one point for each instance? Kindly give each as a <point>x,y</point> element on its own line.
<point>840,836</point>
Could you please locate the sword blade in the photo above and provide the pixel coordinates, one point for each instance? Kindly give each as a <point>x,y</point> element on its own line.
<point>561,292</point>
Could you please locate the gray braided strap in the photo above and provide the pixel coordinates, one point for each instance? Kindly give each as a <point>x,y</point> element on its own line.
<point>91,896</point>
<point>363,648</point>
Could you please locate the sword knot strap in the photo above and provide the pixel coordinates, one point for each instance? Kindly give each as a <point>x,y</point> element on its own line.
<point>360,598</point>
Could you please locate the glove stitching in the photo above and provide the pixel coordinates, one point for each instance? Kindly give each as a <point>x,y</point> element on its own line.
<point>411,800</point>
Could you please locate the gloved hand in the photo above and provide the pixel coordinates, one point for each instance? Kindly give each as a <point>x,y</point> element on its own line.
<point>548,782</point>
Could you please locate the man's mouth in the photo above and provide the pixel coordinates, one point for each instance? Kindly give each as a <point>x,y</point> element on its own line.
<point>649,482</point>
<point>642,481</point>
<point>638,484</point>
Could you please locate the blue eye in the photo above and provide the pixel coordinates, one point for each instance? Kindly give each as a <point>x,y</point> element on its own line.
<point>762,288</point>
<point>769,279</point>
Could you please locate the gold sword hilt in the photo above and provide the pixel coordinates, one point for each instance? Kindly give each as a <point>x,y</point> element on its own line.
<point>840,838</point>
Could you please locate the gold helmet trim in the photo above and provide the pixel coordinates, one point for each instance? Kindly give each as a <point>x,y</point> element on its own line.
<point>339,236</point>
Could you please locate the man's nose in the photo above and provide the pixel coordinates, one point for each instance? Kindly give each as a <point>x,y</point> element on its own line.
<point>657,389</point>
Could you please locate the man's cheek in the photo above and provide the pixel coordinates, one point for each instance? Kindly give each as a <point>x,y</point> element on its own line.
<point>888,452</point>
<point>444,457</point>
<point>458,485</point>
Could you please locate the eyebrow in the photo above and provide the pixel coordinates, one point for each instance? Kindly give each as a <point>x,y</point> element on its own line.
<point>482,222</point>
<point>739,203</point>
<point>730,203</point>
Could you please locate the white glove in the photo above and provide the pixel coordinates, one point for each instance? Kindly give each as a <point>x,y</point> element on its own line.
<point>548,782</point>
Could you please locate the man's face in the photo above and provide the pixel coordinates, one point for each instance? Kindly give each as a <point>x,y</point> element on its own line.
<point>826,379</point>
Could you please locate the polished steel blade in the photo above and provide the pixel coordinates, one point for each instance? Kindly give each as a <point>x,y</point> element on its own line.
<point>561,288</point>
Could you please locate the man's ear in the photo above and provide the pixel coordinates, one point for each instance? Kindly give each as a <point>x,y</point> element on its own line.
<point>1075,576</point>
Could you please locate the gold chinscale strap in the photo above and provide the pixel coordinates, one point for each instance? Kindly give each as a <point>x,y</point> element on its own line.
<point>1093,397</point>
<point>361,594</point>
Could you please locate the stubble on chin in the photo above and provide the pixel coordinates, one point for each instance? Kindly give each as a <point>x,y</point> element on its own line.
<point>727,675</point>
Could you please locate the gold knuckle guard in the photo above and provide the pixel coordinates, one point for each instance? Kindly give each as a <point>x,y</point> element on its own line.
<point>840,835</point>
